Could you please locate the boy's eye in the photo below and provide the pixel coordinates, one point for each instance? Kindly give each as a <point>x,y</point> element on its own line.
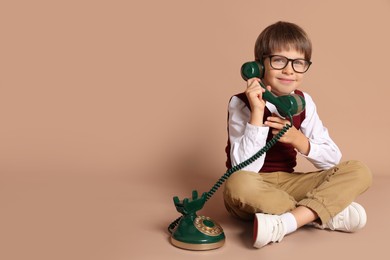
<point>279,60</point>
<point>299,62</point>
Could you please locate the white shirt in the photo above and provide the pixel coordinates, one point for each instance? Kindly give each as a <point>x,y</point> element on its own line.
<point>247,139</point>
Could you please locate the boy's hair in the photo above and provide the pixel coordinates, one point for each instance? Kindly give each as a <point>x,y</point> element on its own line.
<point>282,36</point>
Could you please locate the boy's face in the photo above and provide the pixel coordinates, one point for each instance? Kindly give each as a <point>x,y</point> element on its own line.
<point>286,80</point>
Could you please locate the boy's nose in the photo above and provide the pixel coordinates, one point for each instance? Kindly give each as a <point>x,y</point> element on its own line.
<point>288,69</point>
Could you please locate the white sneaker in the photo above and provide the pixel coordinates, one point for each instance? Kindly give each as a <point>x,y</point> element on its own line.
<point>266,229</point>
<point>351,219</point>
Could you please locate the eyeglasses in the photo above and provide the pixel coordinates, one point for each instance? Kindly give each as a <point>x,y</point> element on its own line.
<point>279,62</point>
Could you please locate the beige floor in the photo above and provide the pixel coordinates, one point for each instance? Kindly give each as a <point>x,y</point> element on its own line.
<point>113,217</point>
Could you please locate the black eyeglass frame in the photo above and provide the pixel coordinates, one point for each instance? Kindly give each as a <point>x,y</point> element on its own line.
<point>288,60</point>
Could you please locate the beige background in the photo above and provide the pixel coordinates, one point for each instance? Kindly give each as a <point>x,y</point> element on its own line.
<point>110,108</point>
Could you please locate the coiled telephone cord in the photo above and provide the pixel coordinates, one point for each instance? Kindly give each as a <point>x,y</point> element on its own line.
<point>238,167</point>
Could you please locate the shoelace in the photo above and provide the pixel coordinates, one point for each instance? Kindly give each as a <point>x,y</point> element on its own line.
<point>340,222</point>
<point>278,231</point>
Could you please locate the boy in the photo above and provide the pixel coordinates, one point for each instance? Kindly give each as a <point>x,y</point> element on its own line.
<point>269,191</point>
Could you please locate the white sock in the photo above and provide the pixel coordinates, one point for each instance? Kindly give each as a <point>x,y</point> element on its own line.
<point>289,222</point>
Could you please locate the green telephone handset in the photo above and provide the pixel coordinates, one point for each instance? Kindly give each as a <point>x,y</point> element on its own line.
<point>194,232</point>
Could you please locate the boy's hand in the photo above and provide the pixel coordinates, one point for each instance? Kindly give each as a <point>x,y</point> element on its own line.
<point>254,93</point>
<point>293,136</point>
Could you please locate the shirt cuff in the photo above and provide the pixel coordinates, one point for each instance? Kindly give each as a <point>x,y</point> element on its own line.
<point>257,134</point>
<point>314,151</point>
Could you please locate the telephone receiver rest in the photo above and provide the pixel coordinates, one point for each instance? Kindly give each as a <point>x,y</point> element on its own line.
<point>288,105</point>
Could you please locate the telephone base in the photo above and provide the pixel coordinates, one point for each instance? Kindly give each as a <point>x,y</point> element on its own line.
<point>194,232</point>
<point>197,247</point>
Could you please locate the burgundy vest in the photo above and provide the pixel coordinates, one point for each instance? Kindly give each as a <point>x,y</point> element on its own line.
<point>281,156</point>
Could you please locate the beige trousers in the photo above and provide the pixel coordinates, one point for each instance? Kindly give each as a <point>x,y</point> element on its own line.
<point>325,192</point>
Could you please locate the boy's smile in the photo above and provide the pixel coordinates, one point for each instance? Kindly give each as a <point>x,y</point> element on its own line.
<point>286,80</point>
